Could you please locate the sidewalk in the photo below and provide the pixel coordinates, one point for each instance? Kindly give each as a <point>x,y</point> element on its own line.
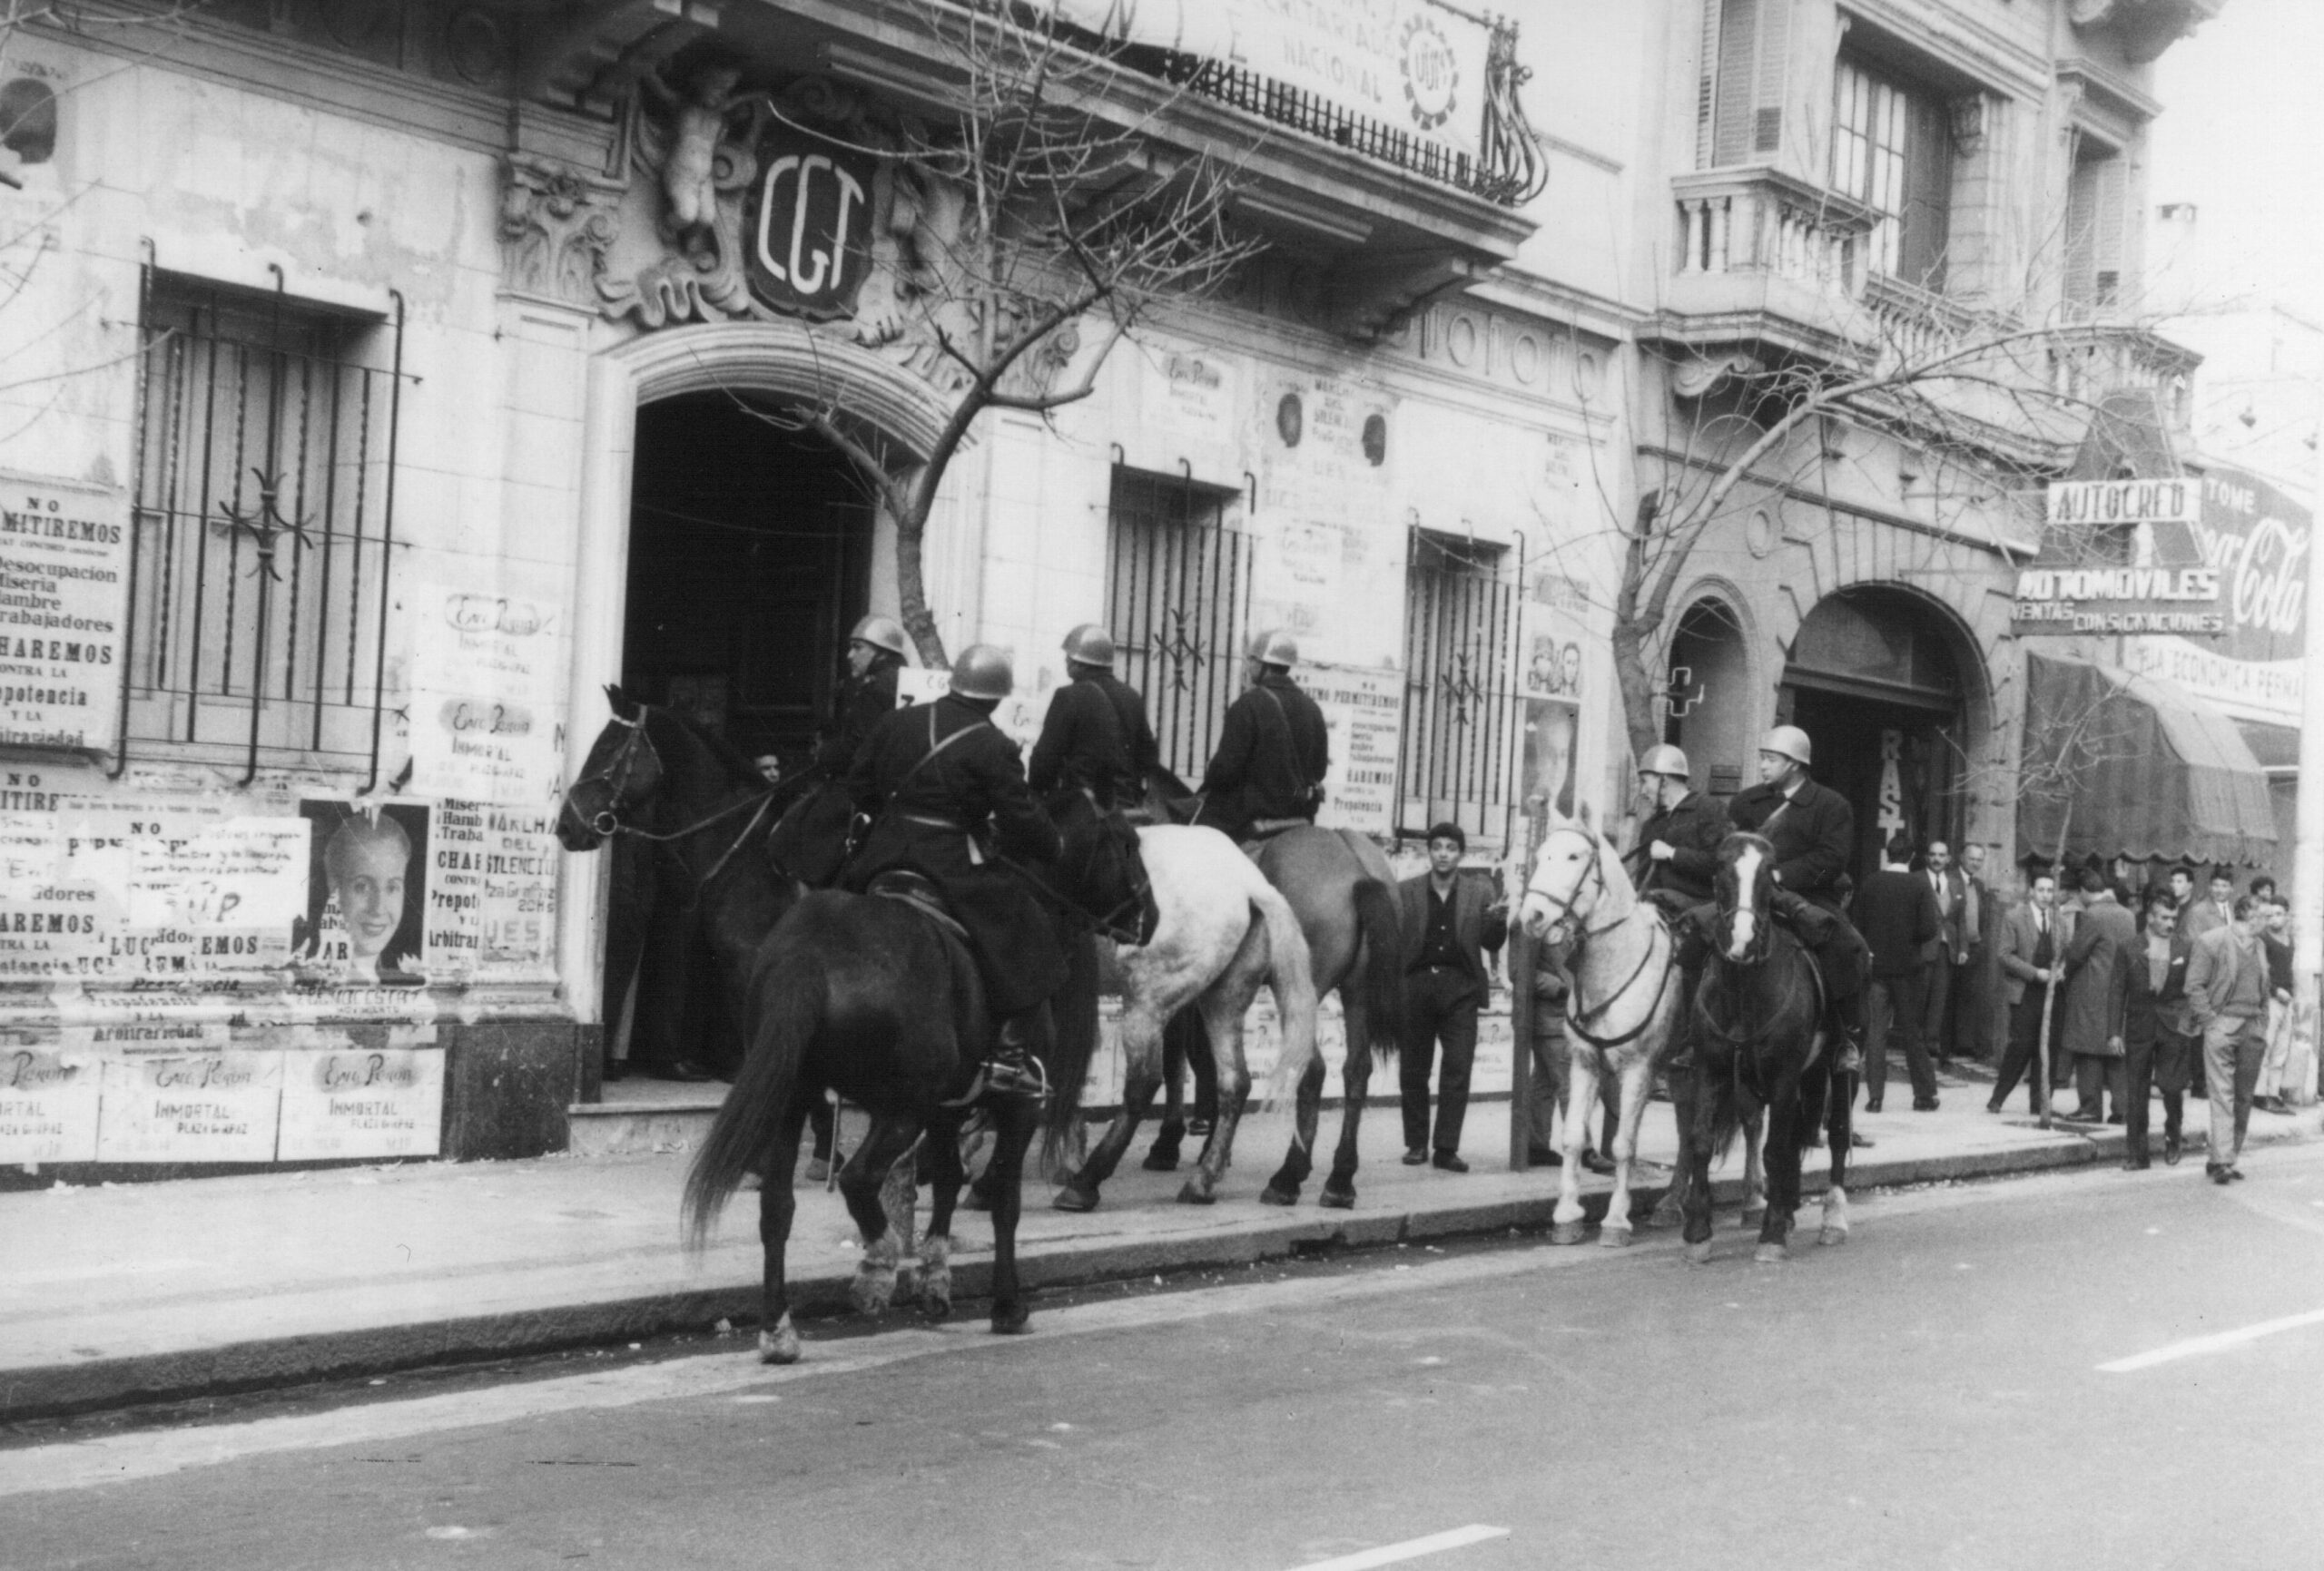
<point>119,1293</point>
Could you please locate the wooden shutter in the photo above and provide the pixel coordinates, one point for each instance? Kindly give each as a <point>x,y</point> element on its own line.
<point>2097,230</point>
<point>1925,209</point>
<point>1754,64</point>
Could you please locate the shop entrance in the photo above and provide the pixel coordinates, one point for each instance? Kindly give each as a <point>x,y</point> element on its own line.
<point>1874,683</point>
<point>749,558</point>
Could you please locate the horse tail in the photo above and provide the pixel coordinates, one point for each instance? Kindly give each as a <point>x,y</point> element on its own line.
<point>1074,1037</point>
<point>1378,925</point>
<point>1291,977</point>
<point>789,1015</point>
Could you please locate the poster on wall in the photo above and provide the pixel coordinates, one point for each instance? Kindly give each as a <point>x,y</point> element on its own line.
<point>1364,714</point>
<point>64,601</point>
<point>491,895</point>
<point>374,1102</point>
<point>214,1107</point>
<point>48,1105</point>
<point>1552,733</point>
<point>485,676</point>
<point>365,919</point>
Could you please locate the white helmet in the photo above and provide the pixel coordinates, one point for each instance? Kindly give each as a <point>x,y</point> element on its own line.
<point>1790,741</point>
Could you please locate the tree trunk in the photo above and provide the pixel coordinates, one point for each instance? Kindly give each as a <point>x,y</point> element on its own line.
<point>1629,643</point>
<point>912,588</point>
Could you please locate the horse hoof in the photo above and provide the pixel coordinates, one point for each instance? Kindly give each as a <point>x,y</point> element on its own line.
<point>779,1346</point>
<point>818,1171</point>
<point>1699,1253</point>
<point>1337,1199</point>
<point>1666,1216</point>
<point>872,1291</point>
<point>1072,1199</point>
<point>1772,1253</point>
<point>1014,1320</point>
<point>1270,1195</point>
<point>1161,1162</point>
<point>1832,1237</point>
<point>977,1200</point>
<point>1614,1237</point>
<point>937,1307</point>
<point>1193,1194</point>
<point>1754,1213</point>
<point>1569,1231</point>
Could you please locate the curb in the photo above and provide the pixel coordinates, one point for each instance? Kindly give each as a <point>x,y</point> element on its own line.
<point>264,1364</point>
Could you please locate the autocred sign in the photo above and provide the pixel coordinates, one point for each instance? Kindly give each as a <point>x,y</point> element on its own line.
<point>2099,503</point>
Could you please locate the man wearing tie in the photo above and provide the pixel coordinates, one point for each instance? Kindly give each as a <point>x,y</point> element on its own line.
<point>2029,964</point>
<point>1948,953</point>
<point>2218,911</point>
<point>1973,993</point>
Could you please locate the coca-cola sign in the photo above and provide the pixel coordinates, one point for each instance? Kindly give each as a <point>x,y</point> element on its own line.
<point>2258,539</point>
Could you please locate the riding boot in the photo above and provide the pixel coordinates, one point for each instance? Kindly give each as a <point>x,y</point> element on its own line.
<point>1010,1069</point>
<point>1848,1017</point>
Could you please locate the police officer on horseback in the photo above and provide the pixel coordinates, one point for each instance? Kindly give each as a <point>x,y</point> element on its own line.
<point>947,794</point>
<point>875,653</point>
<point>1274,749</point>
<point>1813,829</point>
<point>1677,855</point>
<point>1095,738</point>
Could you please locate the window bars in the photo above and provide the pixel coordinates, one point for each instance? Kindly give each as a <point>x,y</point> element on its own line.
<point>1462,740</point>
<point>264,530</point>
<point>1178,603</point>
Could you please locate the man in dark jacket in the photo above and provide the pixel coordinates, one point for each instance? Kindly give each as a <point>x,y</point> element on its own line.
<point>1096,737</point>
<point>1274,749</point>
<point>1896,910</point>
<point>810,840</point>
<point>1812,828</point>
<point>1447,920</point>
<point>1677,854</point>
<point>2156,1046</point>
<point>946,792</point>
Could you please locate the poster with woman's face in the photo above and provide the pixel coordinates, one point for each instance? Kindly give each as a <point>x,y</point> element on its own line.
<point>367,894</point>
<point>1552,727</point>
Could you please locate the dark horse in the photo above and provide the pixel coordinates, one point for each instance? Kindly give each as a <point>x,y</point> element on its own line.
<point>1759,1043</point>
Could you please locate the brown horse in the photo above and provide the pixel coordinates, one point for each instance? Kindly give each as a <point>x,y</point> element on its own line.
<point>1343,892</point>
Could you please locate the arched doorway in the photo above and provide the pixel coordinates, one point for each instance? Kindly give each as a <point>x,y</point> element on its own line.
<point>750,554</point>
<point>1876,679</point>
<point>1710,686</point>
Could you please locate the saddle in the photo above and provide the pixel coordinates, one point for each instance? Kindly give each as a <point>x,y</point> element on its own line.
<point>919,893</point>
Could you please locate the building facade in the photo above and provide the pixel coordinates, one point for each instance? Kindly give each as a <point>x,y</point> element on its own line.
<point>388,380</point>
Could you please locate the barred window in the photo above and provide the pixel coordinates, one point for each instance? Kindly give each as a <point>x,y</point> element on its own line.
<point>1178,604</point>
<point>1462,736</point>
<point>264,530</point>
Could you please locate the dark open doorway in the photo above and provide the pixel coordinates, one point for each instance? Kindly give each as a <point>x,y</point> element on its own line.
<point>750,552</point>
<point>749,556</point>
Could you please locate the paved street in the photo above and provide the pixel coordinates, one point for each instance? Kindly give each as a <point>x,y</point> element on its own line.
<point>1938,1393</point>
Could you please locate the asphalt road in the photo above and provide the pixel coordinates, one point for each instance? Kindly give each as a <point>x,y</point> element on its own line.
<point>2089,1370</point>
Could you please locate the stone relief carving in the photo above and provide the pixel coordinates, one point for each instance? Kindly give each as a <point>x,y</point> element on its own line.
<point>556,224</point>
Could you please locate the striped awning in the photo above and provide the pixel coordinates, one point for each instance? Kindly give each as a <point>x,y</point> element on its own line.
<point>2133,766</point>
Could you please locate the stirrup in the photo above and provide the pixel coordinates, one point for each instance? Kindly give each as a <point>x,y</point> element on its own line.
<point>1014,1077</point>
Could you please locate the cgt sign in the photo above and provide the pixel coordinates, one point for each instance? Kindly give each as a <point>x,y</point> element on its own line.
<point>807,226</point>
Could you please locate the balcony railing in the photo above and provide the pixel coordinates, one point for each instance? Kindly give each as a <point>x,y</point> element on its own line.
<point>2087,365</point>
<point>1759,221</point>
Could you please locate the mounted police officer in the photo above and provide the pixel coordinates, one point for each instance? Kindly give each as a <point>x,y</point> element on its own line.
<point>1273,750</point>
<point>1813,829</point>
<point>1677,855</point>
<point>1095,738</point>
<point>947,794</point>
<point>875,653</point>
<point>809,841</point>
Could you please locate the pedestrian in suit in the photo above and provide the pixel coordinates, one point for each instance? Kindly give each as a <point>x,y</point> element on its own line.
<point>2216,910</point>
<point>2093,1028</point>
<point>1972,984</point>
<point>1949,953</point>
<point>1448,921</point>
<point>2275,938</point>
<point>2156,1046</point>
<point>2227,999</point>
<point>1896,910</point>
<point>2035,940</point>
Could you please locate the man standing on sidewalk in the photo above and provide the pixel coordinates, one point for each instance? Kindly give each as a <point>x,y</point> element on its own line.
<point>2093,1028</point>
<point>2030,962</point>
<point>1972,1001</point>
<point>2155,1045</point>
<point>1447,920</point>
<point>1949,954</point>
<point>1896,913</point>
<point>2227,998</point>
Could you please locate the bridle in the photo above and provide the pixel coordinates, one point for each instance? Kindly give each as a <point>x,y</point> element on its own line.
<point>1657,937</point>
<point>616,777</point>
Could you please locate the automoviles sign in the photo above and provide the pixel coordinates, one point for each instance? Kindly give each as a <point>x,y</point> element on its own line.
<point>2166,586</point>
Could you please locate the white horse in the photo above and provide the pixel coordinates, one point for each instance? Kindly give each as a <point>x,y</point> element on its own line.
<point>1622,1011</point>
<point>1223,932</point>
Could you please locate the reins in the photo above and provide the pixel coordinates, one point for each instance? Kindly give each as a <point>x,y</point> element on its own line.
<point>609,823</point>
<point>1575,1020</point>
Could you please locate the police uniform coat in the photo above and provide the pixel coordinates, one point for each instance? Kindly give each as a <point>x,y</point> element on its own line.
<point>1096,739</point>
<point>1812,838</point>
<point>942,818</point>
<point>863,703</point>
<point>1273,751</point>
<point>1694,827</point>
